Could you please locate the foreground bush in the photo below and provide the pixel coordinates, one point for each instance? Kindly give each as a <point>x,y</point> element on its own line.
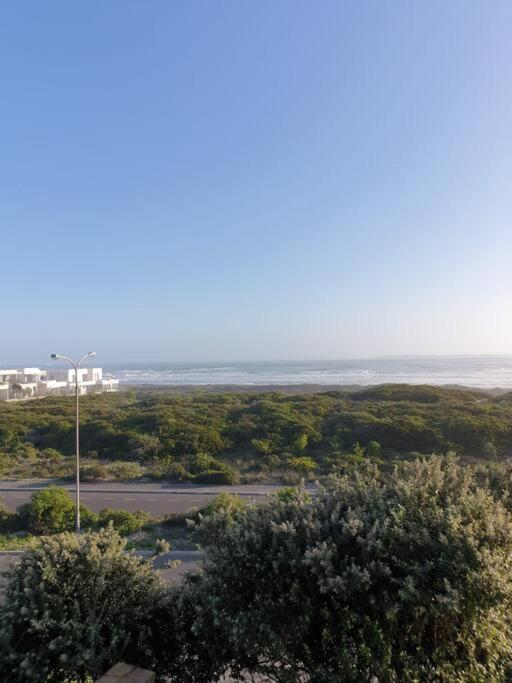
<point>406,579</point>
<point>74,607</point>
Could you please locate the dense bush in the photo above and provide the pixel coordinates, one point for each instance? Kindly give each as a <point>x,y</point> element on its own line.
<point>406,579</point>
<point>145,446</point>
<point>162,546</point>
<point>51,511</point>
<point>125,470</point>
<point>124,522</point>
<point>303,464</point>
<point>93,472</point>
<point>9,521</point>
<point>227,502</point>
<point>373,449</point>
<point>169,470</point>
<point>74,607</point>
<point>226,476</point>
<point>52,455</point>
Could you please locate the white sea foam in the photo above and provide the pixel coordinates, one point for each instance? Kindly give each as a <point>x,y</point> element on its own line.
<point>473,371</point>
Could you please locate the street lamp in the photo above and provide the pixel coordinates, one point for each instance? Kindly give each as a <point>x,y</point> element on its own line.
<point>56,356</point>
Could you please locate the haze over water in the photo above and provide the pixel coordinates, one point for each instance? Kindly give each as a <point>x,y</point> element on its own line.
<point>485,372</point>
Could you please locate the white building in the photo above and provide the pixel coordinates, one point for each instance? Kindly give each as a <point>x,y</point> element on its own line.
<point>90,380</point>
<point>34,382</point>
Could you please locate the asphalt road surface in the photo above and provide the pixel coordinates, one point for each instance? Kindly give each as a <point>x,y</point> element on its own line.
<point>157,499</point>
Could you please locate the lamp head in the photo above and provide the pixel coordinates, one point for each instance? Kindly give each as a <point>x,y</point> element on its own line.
<point>54,356</point>
<point>92,354</point>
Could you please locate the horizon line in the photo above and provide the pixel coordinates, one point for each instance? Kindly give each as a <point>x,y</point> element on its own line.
<point>289,360</point>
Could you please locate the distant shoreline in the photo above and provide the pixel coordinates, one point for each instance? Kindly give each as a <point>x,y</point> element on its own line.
<point>304,388</point>
<point>492,373</point>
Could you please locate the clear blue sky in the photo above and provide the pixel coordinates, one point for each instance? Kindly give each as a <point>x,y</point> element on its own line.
<point>255,180</point>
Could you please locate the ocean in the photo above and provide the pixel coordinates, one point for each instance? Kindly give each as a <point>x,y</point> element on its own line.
<point>485,372</point>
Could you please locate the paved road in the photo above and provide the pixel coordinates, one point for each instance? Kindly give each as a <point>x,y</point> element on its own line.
<point>157,499</point>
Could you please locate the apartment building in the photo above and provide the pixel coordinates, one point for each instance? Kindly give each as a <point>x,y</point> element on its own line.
<point>17,384</point>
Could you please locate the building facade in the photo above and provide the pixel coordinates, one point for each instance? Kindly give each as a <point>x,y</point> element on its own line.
<point>24,383</point>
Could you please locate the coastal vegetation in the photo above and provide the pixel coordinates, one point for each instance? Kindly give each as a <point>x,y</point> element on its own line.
<point>403,576</point>
<point>74,606</point>
<point>221,438</point>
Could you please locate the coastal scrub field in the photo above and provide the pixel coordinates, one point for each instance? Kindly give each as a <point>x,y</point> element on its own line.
<point>221,438</point>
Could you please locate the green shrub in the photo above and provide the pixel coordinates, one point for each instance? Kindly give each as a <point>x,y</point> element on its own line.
<point>405,579</point>
<point>373,449</point>
<point>202,462</point>
<point>26,451</point>
<point>290,477</point>
<point>145,447</point>
<point>9,520</point>
<point>263,446</point>
<point>93,472</point>
<point>162,546</point>
<point>303,464</point>
<point>51,511</point>
<point>125,470</point>
<point>271,462</point>
<point>170,471</point>
<point>217,477</point>
<point>178,519</point>
<point>75,606</point>
<point>53,455</point>
<point>123,521</point>
<point>227,502</point>
<point>301,443</point>
<point>290,493</point>
<point>358,450</point>
<point>88,518</point>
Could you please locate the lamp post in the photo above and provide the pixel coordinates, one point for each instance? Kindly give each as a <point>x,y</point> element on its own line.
<point>56,356</point>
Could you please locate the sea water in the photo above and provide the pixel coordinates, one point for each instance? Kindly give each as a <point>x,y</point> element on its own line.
<point>485,372</point>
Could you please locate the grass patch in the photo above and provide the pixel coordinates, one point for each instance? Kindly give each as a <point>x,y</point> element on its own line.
<point>17,542</point>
